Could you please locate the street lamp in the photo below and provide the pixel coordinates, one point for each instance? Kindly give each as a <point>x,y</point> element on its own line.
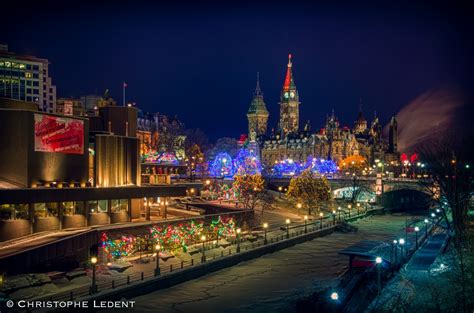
<point>335,299</point>
<point>238,239</point>
<point>426,227</point>
<point>395,242</point>
<point>321,220</point>
<point>94,285</point>
<point>157,251</point>
<point>339,210</point>
<point>203,256</point>
<point>433,215</point>
<point>358,207</point>
<point>401,241</point>
<point>378,261</point>
<point>417,229</point>
<point>334,217</point>
<point>306,223</point>
<point>280,188</point>
<point>265,226</point>
<point>287,228</point>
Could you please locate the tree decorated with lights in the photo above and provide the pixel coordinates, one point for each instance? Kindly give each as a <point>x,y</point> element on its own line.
<point>248,189</point>
<point>355,166</point>
<point>118,248</point>
<point>321,166</point>
<point>247,162</point>
<point>309,190</point>
<point>222,166</point>
<point>286,168</point>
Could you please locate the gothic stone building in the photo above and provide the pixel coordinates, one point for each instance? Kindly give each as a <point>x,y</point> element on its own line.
<point>330,142</point>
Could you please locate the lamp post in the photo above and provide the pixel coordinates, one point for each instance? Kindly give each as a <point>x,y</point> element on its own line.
<point>265,226</point>
<point>358,208</point>
<point>306,224</point>
<point>203,256</point>
<point>395,242</point>
<point>287,228</point>
<point>321,220</point>
<point>94,285</point>
<point>401,241</point>
<point>378,261</point>
<point>280,188</point>
<point>238,239</point>
<point>335,299</point>
<point>333,217</point>
<point>417,229</point>
<point>426,227</point>
<point>157,268</point>
<point>339,210</point>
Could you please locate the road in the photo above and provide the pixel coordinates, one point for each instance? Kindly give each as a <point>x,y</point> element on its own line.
<point>272,282</point>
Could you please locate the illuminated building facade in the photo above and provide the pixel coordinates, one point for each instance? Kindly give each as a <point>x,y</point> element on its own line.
<point>330,142</point>
<point>26,78</point>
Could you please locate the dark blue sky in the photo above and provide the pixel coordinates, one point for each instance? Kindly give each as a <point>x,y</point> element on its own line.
<point>200,62</point>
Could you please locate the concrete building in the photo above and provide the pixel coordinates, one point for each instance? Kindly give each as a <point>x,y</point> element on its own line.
<point>61,172</point>
<point>26,78</point>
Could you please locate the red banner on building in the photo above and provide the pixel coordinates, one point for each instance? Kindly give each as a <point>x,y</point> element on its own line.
<point>58,134</point>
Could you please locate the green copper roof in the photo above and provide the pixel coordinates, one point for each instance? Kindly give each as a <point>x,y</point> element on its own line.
<point>258,105</point>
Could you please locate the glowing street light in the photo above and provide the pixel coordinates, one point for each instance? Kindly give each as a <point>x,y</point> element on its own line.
<point>417,229</point>
<point>203,256</point>
<point>238,239</point>
<point>287,228</point>
<point>157,268</point>
<point>306,223</point>
<point>426,227</point>
<point>378,261</point>
<point>433,215</point>
<point>94,284</point>
<point>299,205</point>
<point>321,214</point>
<point>334,296</point>
<point>280,188</point>
<point>334,217</point>
<point>265,227</point>
<point>401,242</point>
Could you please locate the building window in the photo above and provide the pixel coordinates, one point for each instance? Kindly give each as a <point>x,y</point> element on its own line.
<point>14,211</point>
<point>28,75</point>
<point>43,210</point>
<point>72,207</point>
<point>119,205</point>
<point>98,206</point>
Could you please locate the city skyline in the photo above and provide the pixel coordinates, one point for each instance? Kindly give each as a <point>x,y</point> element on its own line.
<point>385,58</point>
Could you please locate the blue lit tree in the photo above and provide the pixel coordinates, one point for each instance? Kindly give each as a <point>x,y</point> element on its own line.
<point>222,166</point>
<point>321,166</point>
<point>247,162</point>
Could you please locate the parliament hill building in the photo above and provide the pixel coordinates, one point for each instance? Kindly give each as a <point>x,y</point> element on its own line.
<point>290,141</point>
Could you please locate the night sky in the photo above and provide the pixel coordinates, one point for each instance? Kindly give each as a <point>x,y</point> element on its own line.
<point>200,62</point>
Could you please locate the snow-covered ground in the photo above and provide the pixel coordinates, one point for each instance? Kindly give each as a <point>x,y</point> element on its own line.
<point>272,282</point>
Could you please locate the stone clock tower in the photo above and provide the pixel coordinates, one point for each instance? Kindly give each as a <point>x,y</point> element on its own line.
<point>257,115</point>
<point>289,104</point>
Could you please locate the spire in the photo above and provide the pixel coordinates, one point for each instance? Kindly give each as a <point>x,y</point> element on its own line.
<point>258,91</point>
<point>360,116</point>
<point>289,82</point>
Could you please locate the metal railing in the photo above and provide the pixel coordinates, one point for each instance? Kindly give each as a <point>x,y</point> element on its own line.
<point>274,236</point>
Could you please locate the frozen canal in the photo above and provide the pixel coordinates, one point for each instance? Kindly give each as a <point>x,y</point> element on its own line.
<point>272,282</point>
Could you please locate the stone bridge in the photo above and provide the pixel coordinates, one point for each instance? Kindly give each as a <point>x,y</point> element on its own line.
<point>396,193</point>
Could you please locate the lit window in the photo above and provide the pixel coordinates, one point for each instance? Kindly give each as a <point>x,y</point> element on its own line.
<point>28,75</point>
<point>22,66</point>
<point>8,64</point>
